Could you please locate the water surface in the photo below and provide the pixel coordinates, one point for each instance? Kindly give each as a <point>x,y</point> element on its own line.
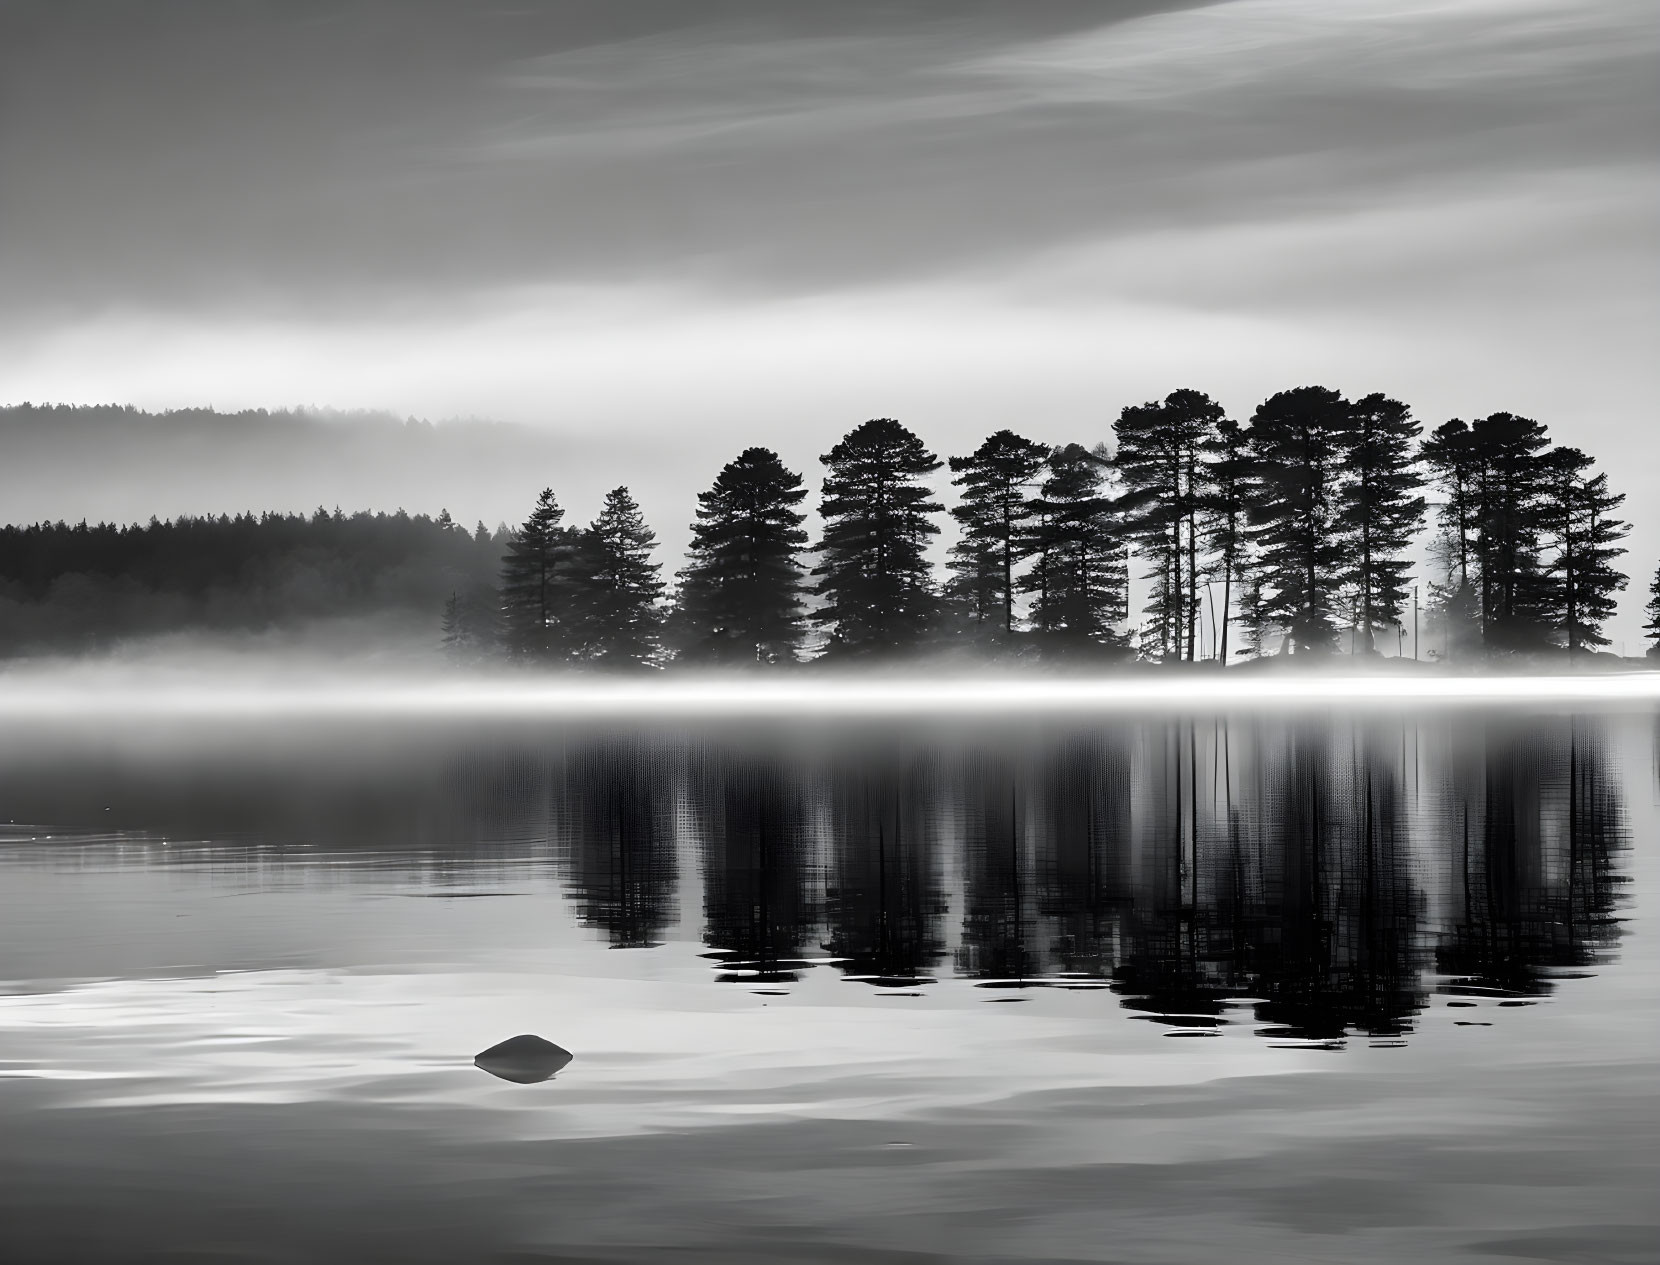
<point>1153,988</point>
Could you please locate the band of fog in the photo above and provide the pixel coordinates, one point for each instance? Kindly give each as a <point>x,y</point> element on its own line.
<point>23,697</point>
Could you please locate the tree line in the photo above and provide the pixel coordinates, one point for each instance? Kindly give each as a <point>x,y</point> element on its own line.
<point>1294,530</point>
<point>1290,531</point>
<point>73,587</point>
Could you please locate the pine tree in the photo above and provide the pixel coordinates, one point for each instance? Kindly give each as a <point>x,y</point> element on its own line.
<point>875,578</point>
<point>1298,441</point>
<point>1381,510</point>
<point>740,594</point>
<point>995,514</point>
<point>1450,455</point>
<point>1080,584</point>
<point>620,620</point>
<point>1652,610</point>
<point>971,598</point>
<point>539,585</point>
<point>1451,458</point>
<point>1160,459</point>
<point>1514,591</point>
<point>1584,536</point>
<point>1228,493</point>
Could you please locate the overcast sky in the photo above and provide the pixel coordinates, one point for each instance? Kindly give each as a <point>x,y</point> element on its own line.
<point>723,222</point>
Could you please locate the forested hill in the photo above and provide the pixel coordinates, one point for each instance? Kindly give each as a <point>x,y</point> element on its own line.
<point>121,464</point>
<point>68,588</point>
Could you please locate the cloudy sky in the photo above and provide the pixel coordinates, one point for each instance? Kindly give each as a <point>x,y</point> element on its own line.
<point>690,226</point>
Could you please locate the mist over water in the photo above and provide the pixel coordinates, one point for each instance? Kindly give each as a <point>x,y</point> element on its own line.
<point>968,962</point>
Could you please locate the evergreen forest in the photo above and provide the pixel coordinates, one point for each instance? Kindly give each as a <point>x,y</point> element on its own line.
<point>1319,526</point>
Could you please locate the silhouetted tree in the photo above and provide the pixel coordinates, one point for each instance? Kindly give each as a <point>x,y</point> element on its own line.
<point>620,620</point>
<point>1652,610</point>
<point>1297,440</point>
<point>1228,493</point>
<point>1079,581</point>
<point>1584,535</point>
<point>1449,453</point>
<point>539,585</point>
<point>740,595</point>
<point>875,577</point>
<point>1514,590</point>
<point>971,597</point>
<point>1381,510</point>
<point>995,513</point>
<point>1160,459</point>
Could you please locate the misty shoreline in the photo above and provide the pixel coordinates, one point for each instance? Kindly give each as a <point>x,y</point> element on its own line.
<point>45,691</point>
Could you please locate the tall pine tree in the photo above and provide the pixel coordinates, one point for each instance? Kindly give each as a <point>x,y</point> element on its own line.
<point>1160,459</point>
<point>1514,593</point>
<point>995,514</point>
<point>1449,453</point>
<point>1583,537</point>
<point>620,620</point>
<point>1079,582</point>
<point>1298,441</point>
<point>740,593</point>
<point>539,585</point>
<point>1228,493</point>
<point>1381,509</point>
<point>875,579</point>
<point>1652,610</point>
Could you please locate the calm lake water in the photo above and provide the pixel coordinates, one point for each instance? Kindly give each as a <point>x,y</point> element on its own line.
<point>1323,986</point>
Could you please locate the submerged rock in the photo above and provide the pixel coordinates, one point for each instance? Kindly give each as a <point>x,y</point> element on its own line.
<point>524,1059</point>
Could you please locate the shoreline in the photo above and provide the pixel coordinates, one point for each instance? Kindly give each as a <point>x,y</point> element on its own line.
<point>208,694</point>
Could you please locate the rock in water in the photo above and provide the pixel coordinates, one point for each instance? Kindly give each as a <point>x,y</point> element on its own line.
<point>524,1060</point>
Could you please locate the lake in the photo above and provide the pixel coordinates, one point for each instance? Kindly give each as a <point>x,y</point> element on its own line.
<point>1364,984</point>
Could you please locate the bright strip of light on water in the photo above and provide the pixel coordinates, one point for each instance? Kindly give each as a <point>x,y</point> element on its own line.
<point>25,696</point>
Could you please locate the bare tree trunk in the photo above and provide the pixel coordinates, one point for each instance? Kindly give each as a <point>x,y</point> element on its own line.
<point>1008,575</point>
<point>1192,586</point>
<point>1173,594</point>
<point>1227,601</point>
<point>1366,586</point>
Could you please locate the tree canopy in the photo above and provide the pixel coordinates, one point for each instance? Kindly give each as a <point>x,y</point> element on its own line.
<point>875,579</point>
<point>740,598</point>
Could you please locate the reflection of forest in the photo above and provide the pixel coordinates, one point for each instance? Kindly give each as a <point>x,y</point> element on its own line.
<point>1535,823</point>
<point>620,840</point>
<point>1315,878</point>
<point>885,902</point>
<point>1200,870</point>
<point>759,900</point>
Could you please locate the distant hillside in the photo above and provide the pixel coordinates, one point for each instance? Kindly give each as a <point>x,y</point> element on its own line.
<point>119,464</point>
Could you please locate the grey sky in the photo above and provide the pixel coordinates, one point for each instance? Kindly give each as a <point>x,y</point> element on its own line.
<point>730,222</point>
